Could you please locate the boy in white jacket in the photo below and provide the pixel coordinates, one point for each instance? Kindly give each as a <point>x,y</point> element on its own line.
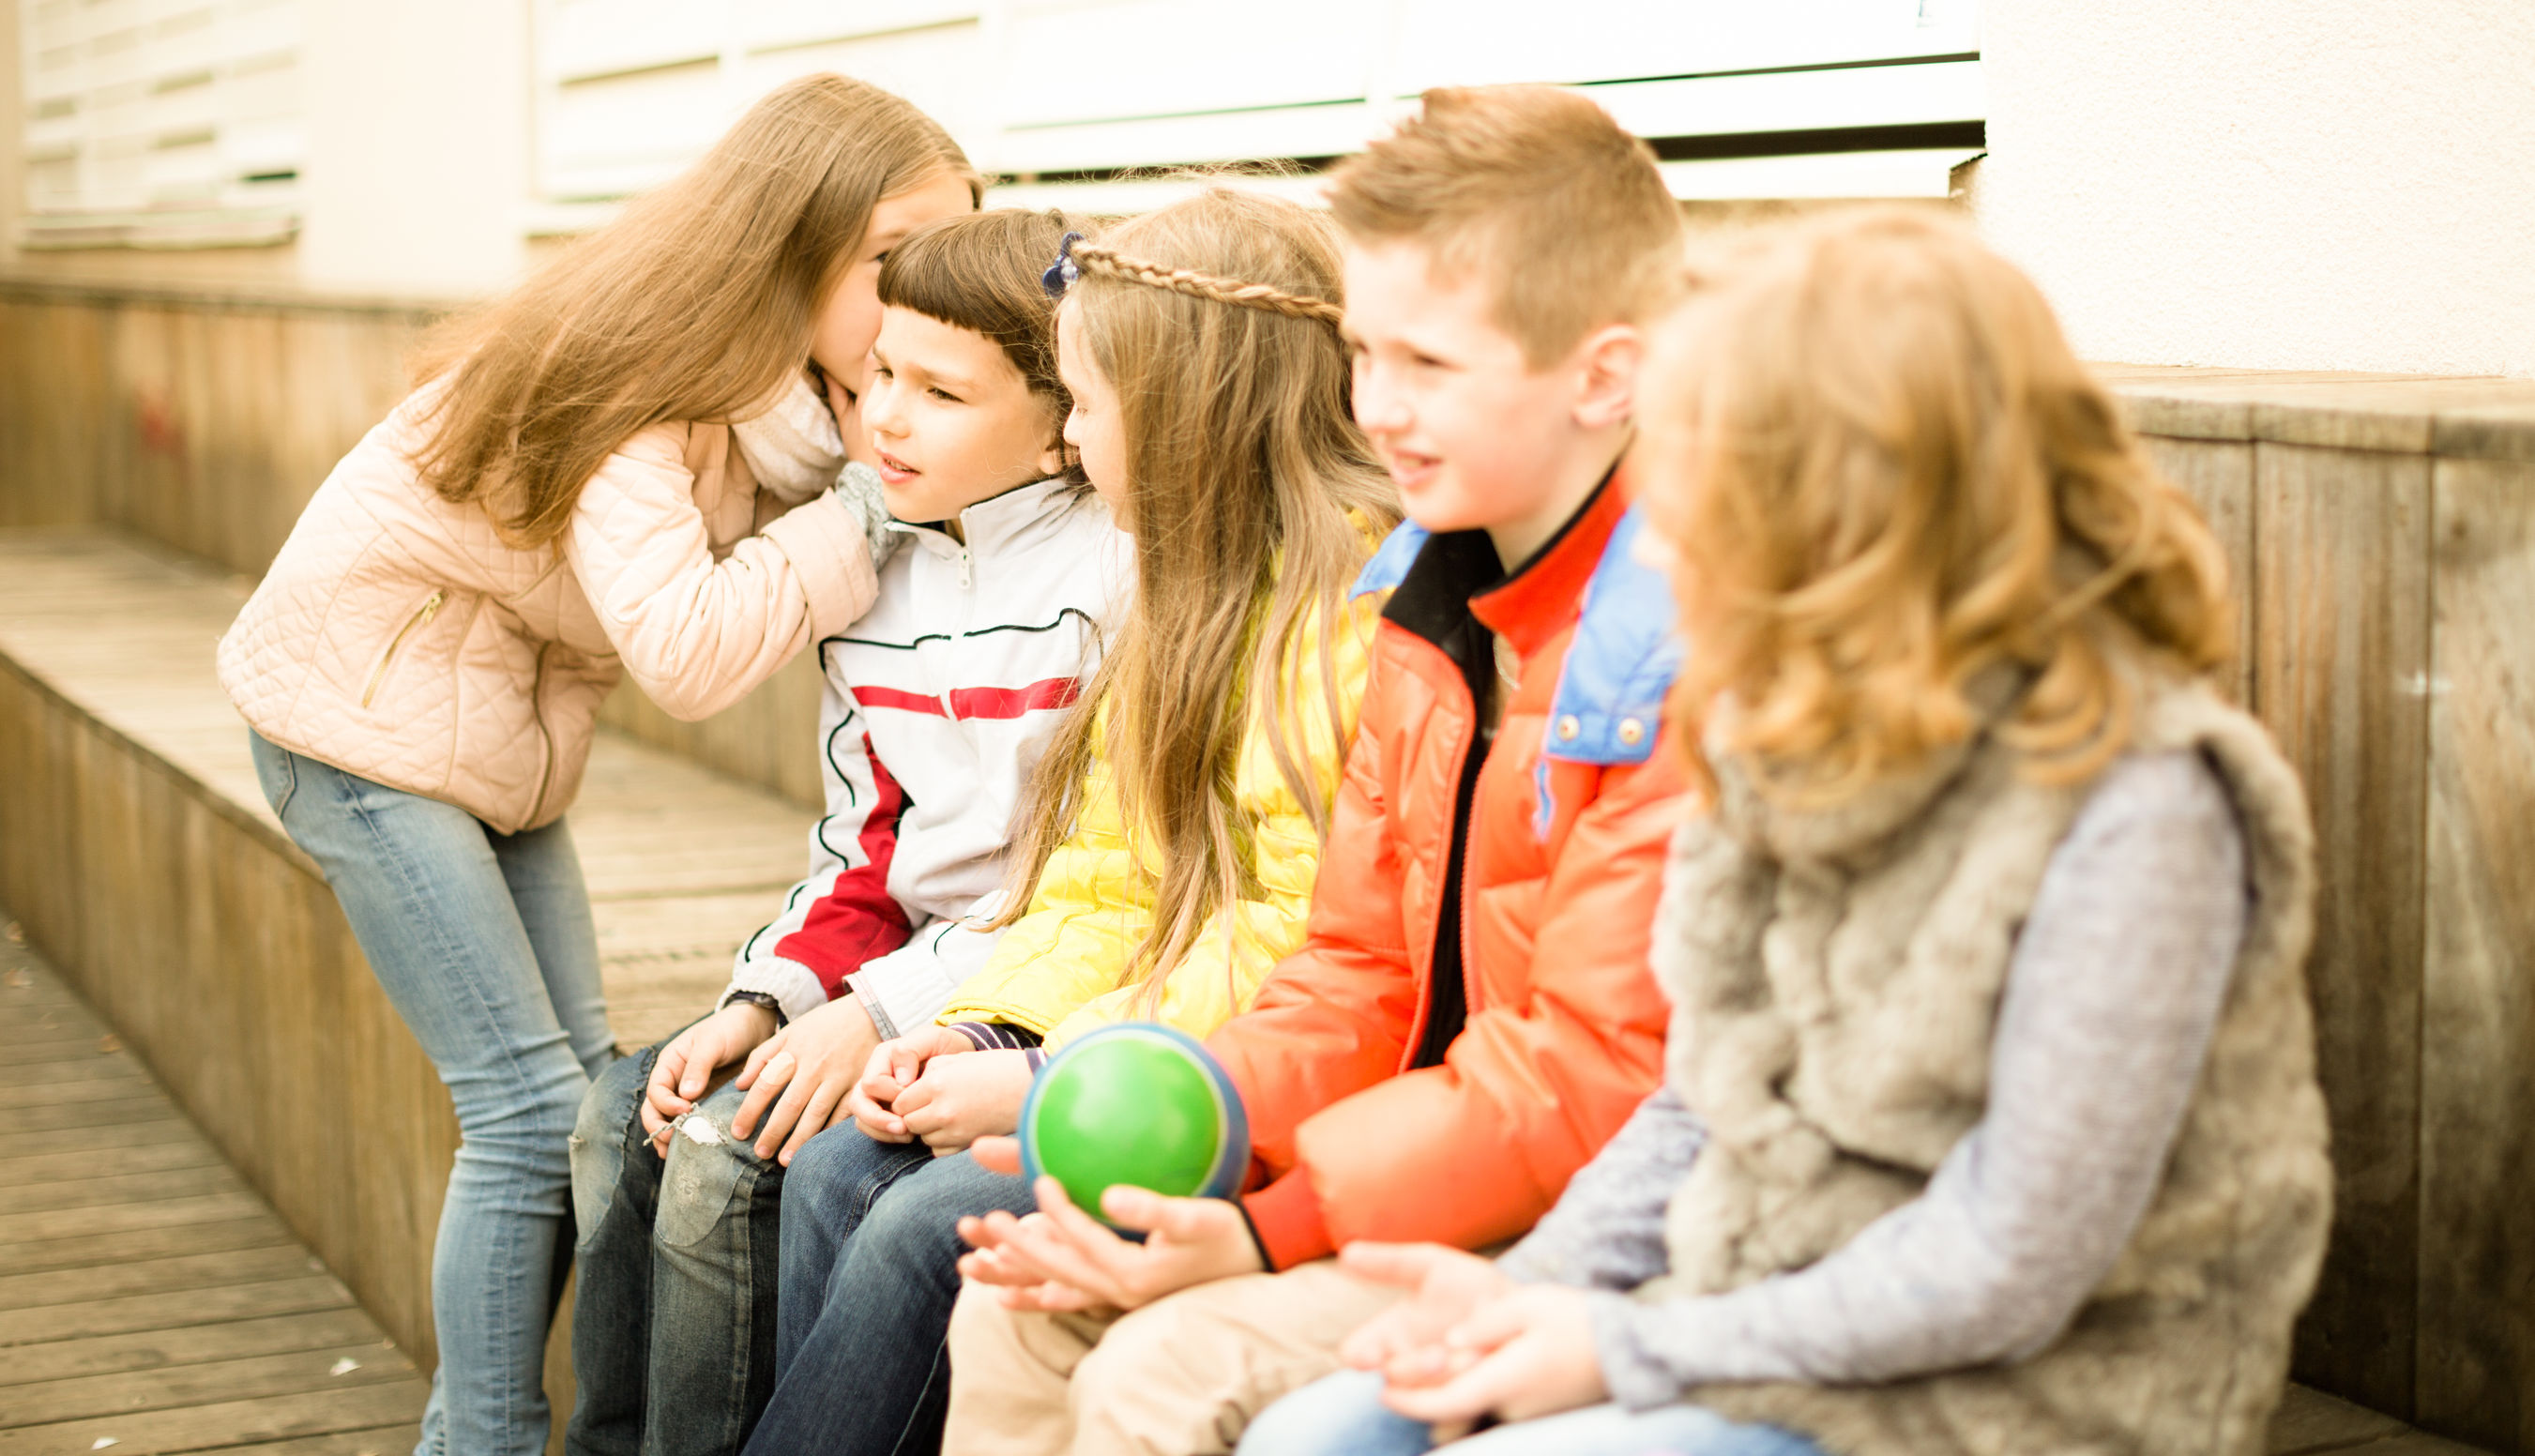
<point>937,707</point>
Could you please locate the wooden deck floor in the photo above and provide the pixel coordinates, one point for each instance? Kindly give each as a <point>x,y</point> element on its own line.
<point>148,1300</point>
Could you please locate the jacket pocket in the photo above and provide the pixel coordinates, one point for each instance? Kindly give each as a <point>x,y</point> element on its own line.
<point>421,617</point>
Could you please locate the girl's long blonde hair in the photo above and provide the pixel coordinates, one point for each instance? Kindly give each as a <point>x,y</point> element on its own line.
<point>1213,321</point>
<point>1883,474</point>
<point>694,305</point>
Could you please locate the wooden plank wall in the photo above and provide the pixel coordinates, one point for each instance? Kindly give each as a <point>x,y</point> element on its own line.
<point>204,423</point>
<point>2383,534</point>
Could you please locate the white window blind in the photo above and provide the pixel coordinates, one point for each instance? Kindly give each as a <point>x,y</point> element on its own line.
<point>162,123</point>
<point>1065,100</point>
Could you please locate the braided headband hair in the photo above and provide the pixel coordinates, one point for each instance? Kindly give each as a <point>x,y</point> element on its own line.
<point>1075,255</point>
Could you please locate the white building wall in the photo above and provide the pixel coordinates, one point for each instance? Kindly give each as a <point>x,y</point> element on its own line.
<point>418,145</point>
<point>2312,184</point>
<point>2290,184</point>
<point>410,129</point>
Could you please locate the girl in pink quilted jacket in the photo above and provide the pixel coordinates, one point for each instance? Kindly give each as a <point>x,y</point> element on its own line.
<point>623,466</point>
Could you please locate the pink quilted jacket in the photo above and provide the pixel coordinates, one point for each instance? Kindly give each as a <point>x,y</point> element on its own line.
<point>399,638</point>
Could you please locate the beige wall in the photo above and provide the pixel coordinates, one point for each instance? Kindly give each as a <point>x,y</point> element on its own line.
<point>418,152</point>
<point>2312,184</point>
<point>2294,184</point>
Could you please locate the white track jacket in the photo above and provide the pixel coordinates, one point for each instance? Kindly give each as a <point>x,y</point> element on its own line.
<point>938,704</point>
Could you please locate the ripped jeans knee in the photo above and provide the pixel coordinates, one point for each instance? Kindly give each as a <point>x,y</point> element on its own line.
<point>609,1125</point>
<point>707,1167</point>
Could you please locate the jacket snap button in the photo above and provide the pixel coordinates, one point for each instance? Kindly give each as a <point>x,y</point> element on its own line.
<point>1568,728</point>
<point>1632,731</point>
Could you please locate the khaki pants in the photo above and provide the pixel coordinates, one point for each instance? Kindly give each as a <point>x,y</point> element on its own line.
<point>1181,1376</point>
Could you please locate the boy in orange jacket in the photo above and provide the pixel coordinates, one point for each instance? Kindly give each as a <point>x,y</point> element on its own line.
<point>1473,1015</point>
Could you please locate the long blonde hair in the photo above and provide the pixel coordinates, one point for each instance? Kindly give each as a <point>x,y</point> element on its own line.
<point>1212,318</point>
<point>693,305</point>
<point>1884,473</point>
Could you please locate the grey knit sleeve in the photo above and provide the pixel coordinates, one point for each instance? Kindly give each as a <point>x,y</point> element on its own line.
<point>1606,1231</point>
<point>2112,995</point>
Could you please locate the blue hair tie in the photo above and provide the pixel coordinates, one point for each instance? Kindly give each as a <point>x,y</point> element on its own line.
<point>1064,272</point>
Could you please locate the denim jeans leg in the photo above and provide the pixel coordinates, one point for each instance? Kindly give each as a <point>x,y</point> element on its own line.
<point>616,1187</point>
<point>871,1376</point>
<point>834,1182</point>
<point>1616,1430</point>
<point>1336,1413</point>
<point>1344,1412</point>
<point>424,890</point>
<point>543,872</point>
<point>716,1266</point>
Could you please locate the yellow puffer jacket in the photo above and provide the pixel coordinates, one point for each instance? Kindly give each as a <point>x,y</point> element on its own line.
<point>1057,969</point>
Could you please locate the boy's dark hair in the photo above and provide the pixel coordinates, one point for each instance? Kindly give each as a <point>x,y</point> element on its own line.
<point>1538,191</point>
<point>980,272</point>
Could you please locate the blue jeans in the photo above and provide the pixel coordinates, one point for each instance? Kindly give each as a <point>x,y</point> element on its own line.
<point>871,1253</point>
<point>1342,1414</point>
<point>673,1326</point>
<point>483,943</point>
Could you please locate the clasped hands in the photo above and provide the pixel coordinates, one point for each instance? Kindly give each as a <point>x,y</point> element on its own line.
<point>1469,1342</point>
<point>1466,1341</point>
<point>934,1085</point>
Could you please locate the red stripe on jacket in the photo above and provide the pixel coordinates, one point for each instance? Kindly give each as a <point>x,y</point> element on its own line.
<point>857,919</point>
<point>976,702</point>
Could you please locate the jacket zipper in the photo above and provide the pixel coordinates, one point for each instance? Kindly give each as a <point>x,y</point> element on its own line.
<point>1469,838</point>
<point>421,617</point>
<point>536,716</point>
<point>1463,830</point>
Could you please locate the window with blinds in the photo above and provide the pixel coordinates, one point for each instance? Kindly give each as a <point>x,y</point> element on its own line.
<point>162,123</point>
<point>1068,101</point>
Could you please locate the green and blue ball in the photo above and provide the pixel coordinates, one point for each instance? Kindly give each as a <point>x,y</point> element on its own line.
<point>1140,1104</point>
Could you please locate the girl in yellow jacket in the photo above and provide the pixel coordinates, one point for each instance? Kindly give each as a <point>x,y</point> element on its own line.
<point>1168,846</point>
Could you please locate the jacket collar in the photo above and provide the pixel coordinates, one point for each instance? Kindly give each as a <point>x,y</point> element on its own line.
<point>1439,582</point>
<point>1001,524</point>
<point>1625,653</point>
<point>1621,661</point>
<point>1537,599</point>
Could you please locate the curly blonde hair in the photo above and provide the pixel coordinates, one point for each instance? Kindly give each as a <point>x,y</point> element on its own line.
<point>1882,473</point>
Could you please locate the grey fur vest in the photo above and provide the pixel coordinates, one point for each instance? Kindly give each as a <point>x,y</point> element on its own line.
<point>1835,978</point>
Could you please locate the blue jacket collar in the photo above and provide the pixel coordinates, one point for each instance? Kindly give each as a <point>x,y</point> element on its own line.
<point>1620,663</point>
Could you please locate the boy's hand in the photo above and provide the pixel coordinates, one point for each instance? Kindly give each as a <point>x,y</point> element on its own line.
<point>960,1099</point>
<point>685,1066</point>
<point>894,1067</point>
<point>1446,1285</point>
<point>1061,1258</point>
<point>804,1072</point>
<point>1525,1355</point>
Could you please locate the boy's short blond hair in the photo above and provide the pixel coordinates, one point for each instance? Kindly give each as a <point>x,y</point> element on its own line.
<point>1536,191</point>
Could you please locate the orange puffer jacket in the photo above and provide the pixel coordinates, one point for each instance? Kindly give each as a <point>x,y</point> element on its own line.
<point>1364,1125</point>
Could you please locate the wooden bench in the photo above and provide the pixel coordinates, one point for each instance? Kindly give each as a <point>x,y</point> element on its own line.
<point>138,853</point>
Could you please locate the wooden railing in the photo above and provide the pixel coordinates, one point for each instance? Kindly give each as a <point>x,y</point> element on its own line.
<point>2383,536</point>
